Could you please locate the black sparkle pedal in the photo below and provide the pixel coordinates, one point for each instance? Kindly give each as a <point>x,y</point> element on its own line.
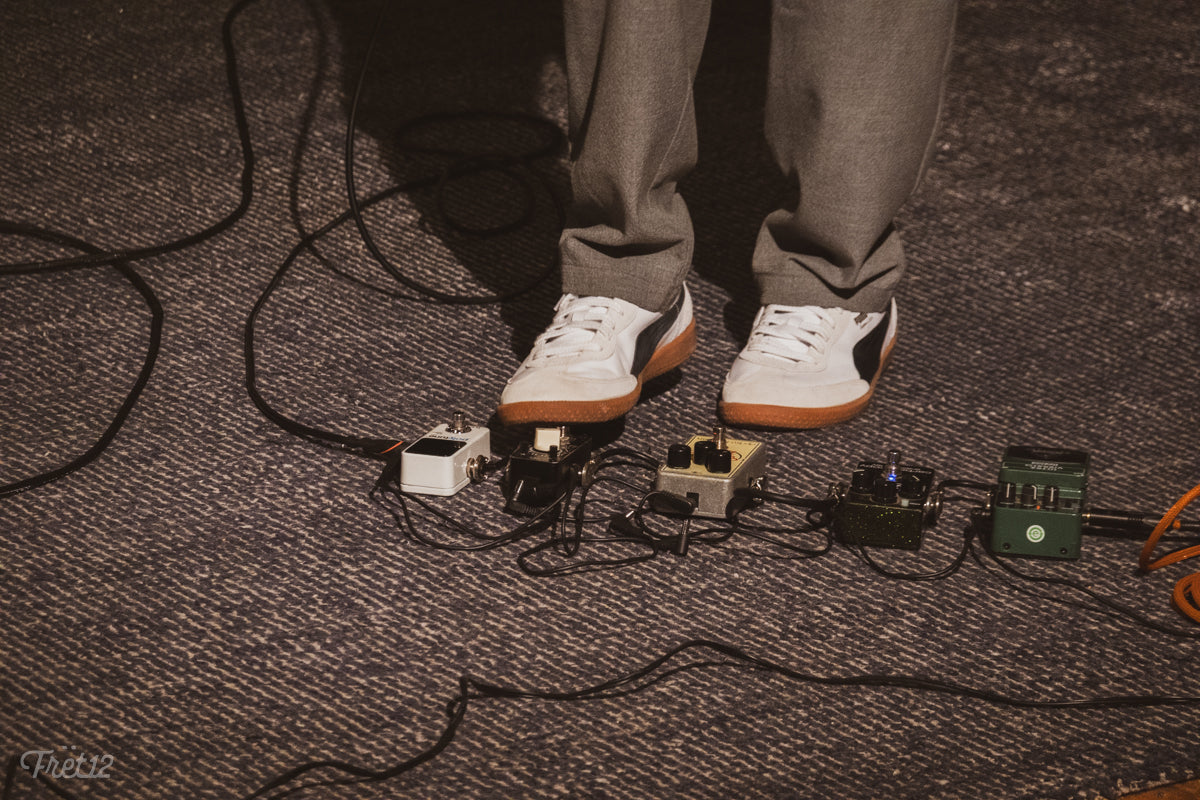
<point>887,505</point>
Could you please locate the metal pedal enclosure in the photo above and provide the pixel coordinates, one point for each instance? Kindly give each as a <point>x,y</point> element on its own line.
<point>710,469</point>
<point>887,505</point>
<point>1039,503</point>
<point>541,471</point>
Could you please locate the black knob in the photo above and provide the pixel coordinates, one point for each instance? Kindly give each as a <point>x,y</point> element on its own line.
<point>701,449</point>
<point>679,456</point>
<point>719,461</point>
<point>1050,496</point>
<point>885,491</point>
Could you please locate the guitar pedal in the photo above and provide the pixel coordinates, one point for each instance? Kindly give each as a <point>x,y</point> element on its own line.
<point>446,459</point>
<point>542,471</point>
<point>1038,509</point>
<point>887,505</point>
<point>708,470</point>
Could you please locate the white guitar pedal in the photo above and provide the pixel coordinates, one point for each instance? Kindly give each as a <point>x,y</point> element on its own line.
<point>446,459</point>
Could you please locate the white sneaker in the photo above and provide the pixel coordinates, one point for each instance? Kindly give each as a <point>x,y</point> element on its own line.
<point>807,366</point>
<point>589,365</point>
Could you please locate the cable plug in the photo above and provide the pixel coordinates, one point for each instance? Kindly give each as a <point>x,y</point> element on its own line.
<point>673,504</point>
<point>623,524</point>
<point>681,540</point>
<point>1107,518</point>
<point>1112,518</point>
<point>383,449</point>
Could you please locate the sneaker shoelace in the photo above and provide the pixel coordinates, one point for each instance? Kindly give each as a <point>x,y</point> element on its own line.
<point>581,325</point>
<point>794,333</point>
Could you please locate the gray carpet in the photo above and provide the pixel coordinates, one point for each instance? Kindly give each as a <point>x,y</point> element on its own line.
<point>214,601</point>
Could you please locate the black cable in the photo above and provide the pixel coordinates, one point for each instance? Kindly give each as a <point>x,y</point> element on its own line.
<point>635,458</point>
<point>119,260</point>
<point>388,494</point>
<point>629,529</point>
<point>566,528</point>
<point>783,499</point>
<point>543,519</point>
<point>358,445</point>
<point>1140,536</point>
<point>633,528</point>
<point>659,670</point>
<point>373,447</point>
<point>968,534</point>
<point>526,559</point>
<point>959,484</point>
<point>152,349</point>
<point>936,575</point>
<point>1129,524</point>
<point>607,460</point>
<point>862,552</point>
<point>747,500</point>
<point>769,534</point>
<point>463,165</point>
<point>1106,604</point>
<point>97,257</point>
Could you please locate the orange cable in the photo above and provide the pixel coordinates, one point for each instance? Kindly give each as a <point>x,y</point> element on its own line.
<point>1161,528</point>
<point>1187,590</point>
<point>1187,595</point>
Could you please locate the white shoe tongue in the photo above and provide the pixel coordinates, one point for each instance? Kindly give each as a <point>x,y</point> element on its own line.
<point>804,316</point>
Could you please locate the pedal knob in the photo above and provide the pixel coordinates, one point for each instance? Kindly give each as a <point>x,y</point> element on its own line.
<point>885,491</point>
<point>911,487</point>
<point>720,461</point>
<point>1050,497</point>
<point>679,456</point>
<point>702,449</point>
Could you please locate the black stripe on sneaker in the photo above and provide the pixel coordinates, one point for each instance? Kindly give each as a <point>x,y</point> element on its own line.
<point>869,350</point>
<point>650,338</point>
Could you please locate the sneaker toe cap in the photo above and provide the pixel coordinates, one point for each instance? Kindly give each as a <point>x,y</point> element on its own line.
<point>541,386</point>
<point>754,384</point>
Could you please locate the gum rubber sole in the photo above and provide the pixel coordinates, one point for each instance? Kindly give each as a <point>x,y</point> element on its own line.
<point>665,359</point>
<point>755,415</point>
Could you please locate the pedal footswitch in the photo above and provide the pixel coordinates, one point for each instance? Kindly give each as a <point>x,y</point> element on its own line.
<point>446,459</point>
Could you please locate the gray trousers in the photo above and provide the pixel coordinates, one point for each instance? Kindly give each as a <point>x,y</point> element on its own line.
<point>854,90</point>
